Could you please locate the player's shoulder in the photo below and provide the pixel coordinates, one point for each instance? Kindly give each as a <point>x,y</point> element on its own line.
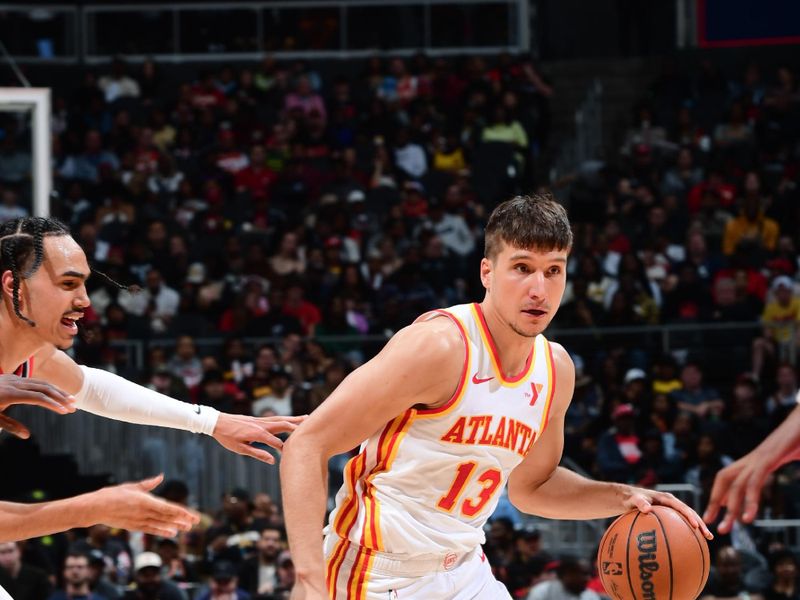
<point>433,346</point>
<point>561,357</point>
<point>433,336</point>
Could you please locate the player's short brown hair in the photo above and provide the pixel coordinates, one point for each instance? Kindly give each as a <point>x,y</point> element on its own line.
<point>535,222</point>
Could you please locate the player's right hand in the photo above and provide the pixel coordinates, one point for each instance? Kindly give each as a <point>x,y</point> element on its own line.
<point>21,390</point>
<point>131,506</point>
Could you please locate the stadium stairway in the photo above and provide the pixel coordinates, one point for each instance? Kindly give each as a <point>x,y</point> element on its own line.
<point>624,84</point>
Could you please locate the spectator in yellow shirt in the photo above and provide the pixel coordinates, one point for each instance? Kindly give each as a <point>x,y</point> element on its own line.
<point>781,319</point>
<point>750,227</point>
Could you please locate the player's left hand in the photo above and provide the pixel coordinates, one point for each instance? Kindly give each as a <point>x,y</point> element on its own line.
<point>644,500</point>
<point>237,432</point>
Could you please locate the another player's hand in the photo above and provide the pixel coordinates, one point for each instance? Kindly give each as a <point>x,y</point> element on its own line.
<point>131,506</point>
<point>738,487</point>
<point>21,390</point>
<point>644,500</point>
<point>237,432</point>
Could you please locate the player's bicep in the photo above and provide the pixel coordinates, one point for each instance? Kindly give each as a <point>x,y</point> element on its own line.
<point>420,365</point>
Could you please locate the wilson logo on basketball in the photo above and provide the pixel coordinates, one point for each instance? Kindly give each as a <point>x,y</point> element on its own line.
<point>647,545</point>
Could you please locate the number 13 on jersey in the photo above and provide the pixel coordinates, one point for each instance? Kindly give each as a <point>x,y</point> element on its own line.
<point>490,479</point>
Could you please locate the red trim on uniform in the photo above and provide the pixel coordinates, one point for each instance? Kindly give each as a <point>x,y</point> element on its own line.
<point>361,583</point>
<point>352,501</point>
<point>464,369</point>
<point>552,392</point>
<point>379,458</point>
<point>496,354</point>
<point>335,565</point>
<point>23,370</point>
<point>393,432</point>
<point>356,568</point>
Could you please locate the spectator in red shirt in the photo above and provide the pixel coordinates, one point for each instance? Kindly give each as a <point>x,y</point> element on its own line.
<point>257,178</point>
<point>725,192</point>
<point>205,93</point>
<point>229,157</point>
<point>301,309</point>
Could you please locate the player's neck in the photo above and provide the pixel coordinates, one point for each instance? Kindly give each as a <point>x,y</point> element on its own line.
<point>512,348</point>
<point>17,341</point>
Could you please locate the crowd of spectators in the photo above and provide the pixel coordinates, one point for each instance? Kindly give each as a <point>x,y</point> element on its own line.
<point>313,209</point>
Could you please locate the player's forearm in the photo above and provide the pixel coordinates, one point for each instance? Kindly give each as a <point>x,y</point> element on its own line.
<point>111,396</point>
<point>25,521</point>
<point>304,485</point>
<point>567,495</point>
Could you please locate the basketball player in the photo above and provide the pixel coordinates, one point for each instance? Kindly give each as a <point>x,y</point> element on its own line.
<point>128,506</point>
<point>44,272</point>
<point>454,406</point>
<point>738,486</point>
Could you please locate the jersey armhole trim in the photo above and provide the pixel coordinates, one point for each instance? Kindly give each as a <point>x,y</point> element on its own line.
<point>462,383</point>
<point>551,370</point>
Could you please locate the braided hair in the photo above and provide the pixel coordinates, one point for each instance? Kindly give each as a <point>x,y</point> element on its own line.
<point>22,250</point>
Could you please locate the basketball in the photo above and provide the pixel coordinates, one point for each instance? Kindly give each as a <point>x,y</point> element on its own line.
<point>656,555</point>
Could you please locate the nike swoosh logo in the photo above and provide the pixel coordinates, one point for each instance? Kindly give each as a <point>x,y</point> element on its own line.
<point>197,408</point>
<point>476,379</point>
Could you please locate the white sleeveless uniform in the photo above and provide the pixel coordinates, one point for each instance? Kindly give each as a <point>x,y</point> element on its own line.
<point>409,518</point>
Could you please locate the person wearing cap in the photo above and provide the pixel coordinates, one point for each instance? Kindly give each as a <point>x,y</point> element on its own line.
<point>781,320</point>
<point>148,581</point>
<point>98,582</point>
<point>279,399</point>
<point>618,450</point>
<point>529,560</point>
<point>224,583</point>
<point>286,574</point>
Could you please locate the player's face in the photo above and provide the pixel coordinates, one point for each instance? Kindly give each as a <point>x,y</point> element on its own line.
<point>525,286</point>
<point>55,296</point>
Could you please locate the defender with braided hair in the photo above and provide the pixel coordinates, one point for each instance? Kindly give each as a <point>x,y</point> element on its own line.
<point>43,272</point>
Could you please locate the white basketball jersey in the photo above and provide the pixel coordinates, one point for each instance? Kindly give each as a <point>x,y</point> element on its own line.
<point>427,483</point>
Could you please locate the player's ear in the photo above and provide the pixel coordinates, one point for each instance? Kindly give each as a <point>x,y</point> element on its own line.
<point>486,272</point>
<point>8,283</point>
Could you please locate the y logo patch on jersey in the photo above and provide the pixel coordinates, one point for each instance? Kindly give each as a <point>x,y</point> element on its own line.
<point>534,393</point>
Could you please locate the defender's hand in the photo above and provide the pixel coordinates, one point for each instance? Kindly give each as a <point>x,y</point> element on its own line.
<point>237,432</point>
<point>131,506</point>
